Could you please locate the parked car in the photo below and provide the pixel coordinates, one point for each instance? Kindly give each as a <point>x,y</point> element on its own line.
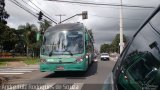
<point>104,56</point>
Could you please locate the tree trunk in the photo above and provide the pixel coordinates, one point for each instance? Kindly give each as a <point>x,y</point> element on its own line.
<point>27,51</point>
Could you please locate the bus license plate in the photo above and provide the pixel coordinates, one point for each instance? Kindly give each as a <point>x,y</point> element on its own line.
<point>60,68</point>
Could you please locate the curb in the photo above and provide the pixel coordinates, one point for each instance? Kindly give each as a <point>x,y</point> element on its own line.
<point>113,58</point>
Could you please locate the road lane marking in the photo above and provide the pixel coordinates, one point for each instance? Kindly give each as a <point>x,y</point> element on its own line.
<point>17,69</point>
<point>10,73</point>
<point>14,71</point>
<point>108,83</point>
<point>25,69</point>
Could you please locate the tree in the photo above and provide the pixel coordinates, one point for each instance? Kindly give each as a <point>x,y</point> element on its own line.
<point>105,48</point>
<point>8,37</point>
<point>3,14</point>
<point>114,46</point>
<point>44,25</point>
<point>28,35</point>
<point>116,41</point>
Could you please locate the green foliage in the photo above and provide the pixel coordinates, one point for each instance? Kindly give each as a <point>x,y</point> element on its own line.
<point>116,41</point>
<point>10,59</point>
<point>44,25</point>
<point>8,37</point>
<point>28,36</point>
<point>114,46</point>
<point>2,64</point>
<point>104,48</point>
<point>28,61</point>
<point>19,41</point>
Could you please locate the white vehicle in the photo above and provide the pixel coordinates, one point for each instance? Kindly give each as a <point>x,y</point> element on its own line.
<point>104,56</point>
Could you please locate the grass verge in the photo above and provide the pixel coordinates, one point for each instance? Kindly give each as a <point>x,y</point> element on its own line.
<point>28,61</point>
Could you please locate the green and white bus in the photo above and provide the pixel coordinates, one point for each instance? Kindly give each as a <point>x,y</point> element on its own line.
<point>66,47</point>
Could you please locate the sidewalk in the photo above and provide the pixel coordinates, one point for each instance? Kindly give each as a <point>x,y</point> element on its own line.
<point>113,58</point>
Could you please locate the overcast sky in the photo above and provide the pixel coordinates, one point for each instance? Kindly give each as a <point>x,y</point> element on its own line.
<point>103,20</point>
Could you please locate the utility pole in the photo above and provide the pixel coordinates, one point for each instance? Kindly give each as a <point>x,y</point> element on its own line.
<point>121,44</point>
<point>60,15</point>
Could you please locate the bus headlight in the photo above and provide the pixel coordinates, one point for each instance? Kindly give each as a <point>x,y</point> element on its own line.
<point>86,56</point>
<point>79,59</point>
<point>43,60</point>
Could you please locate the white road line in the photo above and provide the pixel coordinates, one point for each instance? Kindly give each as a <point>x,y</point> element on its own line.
<point>76,86</point>
<point>25,69</point>
<point>10,73</point>
<point>46,86</point>
<point>14,71</point>
<point>17,69</point>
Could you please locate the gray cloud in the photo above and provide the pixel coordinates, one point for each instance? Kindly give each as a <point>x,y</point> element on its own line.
<point>103,20</point>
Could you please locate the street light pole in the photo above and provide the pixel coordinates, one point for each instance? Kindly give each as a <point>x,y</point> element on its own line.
<point>84,16</point>
<point>68,18</point>
<point>60,15</point>
<point>121,44</point>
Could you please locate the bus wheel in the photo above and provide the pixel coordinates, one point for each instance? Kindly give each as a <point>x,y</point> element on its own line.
<point>92,61</point>
<point>88,65</point>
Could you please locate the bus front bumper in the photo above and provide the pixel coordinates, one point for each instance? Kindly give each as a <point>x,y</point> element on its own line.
<point>49,67</point>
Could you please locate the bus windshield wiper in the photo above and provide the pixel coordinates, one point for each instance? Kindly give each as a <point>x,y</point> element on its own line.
<point>50,54</point>
<point>70,52</point>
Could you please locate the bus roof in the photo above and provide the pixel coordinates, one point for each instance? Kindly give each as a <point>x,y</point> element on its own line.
<point>68,26</point>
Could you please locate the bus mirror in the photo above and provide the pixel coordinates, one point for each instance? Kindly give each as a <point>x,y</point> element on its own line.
<point>87,38</point>
<point>38,36</point>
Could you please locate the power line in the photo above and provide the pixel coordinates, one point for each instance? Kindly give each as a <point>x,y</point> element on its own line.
<point>104,6</point>
<point>22,7</point>
<point>30,6</point>
<point>101,4</point>
<point>86,5</point>
<point>115,17</point>
<point>29,11</point>
<point>40,9</point>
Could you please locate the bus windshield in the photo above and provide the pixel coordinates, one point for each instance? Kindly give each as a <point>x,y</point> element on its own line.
<point>63,42</point>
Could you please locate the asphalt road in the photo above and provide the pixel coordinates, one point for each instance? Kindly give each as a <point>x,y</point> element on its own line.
<point>93,79</point>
